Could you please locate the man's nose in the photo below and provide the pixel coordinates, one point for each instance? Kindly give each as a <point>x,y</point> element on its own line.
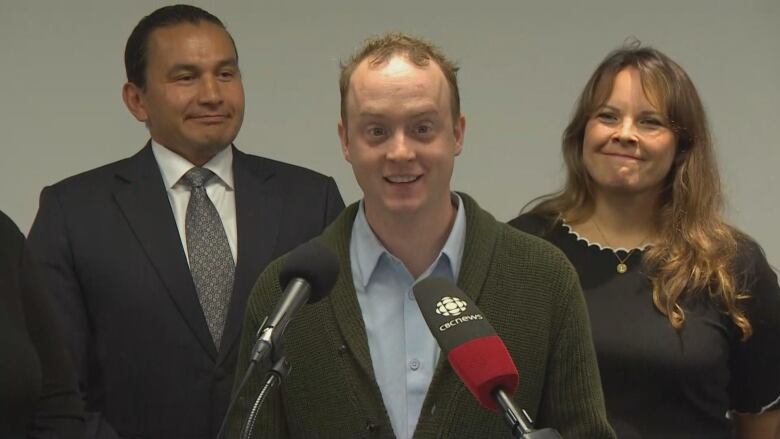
<point>210,92</point>
<point>400,149</point>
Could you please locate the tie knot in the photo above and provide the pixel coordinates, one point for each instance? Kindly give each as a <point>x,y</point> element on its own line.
<point>197,176</point>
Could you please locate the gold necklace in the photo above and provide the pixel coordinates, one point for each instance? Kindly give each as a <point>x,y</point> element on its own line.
<point>621,266</point>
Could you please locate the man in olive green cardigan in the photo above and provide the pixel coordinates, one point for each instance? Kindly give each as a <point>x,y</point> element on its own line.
<point>363,364</point>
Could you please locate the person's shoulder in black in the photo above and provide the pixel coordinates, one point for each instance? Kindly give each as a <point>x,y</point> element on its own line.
<point>533,223</point>
<point>38,396</point>
<point>756,359</point>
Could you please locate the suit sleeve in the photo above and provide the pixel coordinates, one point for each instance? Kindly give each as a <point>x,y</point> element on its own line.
<point>51,250</point>
<point>573,401</point>
<point>60,408</point>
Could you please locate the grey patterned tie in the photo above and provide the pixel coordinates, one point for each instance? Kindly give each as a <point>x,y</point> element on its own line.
<point>211,262</point>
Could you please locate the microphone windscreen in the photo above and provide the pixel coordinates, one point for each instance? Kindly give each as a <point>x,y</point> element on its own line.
<point>484,365</point>
<point>314,263</point>
<point>476,353</point>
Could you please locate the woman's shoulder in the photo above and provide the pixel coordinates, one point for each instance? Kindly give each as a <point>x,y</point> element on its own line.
<point>534,223</point>
<point>757,359</point>
<point>753,270</point>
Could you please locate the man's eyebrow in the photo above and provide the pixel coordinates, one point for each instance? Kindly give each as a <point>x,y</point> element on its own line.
<point>430,112</point>
<point>230,62</point>
<point>183,66</point>
<point>379,115</point>
<point>371,114</point>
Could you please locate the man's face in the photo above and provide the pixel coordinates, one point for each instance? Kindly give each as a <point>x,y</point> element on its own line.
<point>193,102</point>
<point>400,137</point>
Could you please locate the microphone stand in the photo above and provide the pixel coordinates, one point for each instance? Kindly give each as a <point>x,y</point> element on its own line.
<point>520,422</point>
<point>261,349</point>
<point>274,377</point>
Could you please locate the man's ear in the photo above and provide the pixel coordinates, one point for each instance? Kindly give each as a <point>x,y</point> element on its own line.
<point>134,100</point>
<point>459,131</point>
<point>343,137</point>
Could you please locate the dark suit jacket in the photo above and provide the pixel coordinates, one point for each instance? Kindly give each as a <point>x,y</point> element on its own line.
<point>38,394</point>
<point>111,254</point>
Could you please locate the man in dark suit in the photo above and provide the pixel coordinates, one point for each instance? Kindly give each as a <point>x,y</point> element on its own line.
<point>151,258</point>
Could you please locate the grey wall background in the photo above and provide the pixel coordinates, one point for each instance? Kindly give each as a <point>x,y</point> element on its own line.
<point>523,64</point>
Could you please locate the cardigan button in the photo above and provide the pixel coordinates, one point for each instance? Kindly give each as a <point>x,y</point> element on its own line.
<point>343,349</point>
<point>370,426</point>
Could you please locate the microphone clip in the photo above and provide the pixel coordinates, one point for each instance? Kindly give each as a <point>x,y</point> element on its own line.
<point>520,422</point>
<point>267,342</point>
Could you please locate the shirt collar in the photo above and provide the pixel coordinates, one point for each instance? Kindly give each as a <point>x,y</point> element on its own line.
<point>369,250</point>
<point>453,248</point>
<point>173,166</point>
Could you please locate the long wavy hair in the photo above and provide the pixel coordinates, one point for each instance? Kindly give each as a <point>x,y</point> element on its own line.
<point>696,250</point>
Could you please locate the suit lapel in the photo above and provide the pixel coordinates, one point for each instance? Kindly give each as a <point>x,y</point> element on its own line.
<point>258,218</point>
<point>140,194</point>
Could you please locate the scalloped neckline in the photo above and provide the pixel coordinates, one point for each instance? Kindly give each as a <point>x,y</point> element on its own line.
<point>579,237</point>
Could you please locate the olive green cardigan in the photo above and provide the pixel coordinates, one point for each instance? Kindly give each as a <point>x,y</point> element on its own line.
<point>522,284</point>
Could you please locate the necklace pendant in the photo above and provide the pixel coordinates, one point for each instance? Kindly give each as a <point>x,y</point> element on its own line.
<point>622,268</point>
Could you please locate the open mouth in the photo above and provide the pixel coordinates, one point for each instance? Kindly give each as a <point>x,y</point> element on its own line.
<point>402,179</point>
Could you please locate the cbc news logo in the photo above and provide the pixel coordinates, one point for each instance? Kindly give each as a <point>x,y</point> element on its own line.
<point>450,306</point>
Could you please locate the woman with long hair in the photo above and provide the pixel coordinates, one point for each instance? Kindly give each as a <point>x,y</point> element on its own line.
<point>684,308</point>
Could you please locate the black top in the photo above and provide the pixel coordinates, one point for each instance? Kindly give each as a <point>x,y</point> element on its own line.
<point>38,397</point>
<point>663,383</point>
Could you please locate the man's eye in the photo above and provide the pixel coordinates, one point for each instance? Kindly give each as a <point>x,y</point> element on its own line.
<point>185,78</point>
<point>376,132</point>
<point>228,74</point>
<point>423,129</point>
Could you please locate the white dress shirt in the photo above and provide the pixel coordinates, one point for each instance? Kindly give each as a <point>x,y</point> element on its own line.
<point>220,190</point>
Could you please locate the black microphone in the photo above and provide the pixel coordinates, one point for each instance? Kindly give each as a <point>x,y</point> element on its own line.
<point>308,274</point>
<point>477,354</point>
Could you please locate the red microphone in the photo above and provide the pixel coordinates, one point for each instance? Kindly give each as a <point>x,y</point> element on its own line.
<point>476,353</point>
<point>484,366</point>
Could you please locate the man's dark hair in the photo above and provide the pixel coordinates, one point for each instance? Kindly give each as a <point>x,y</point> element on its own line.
<point>138,42</point>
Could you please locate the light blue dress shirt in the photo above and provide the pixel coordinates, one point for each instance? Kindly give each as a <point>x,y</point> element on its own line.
<point>403,350</point>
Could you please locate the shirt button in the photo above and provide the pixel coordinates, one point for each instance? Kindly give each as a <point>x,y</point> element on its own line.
<point>411,294</point>
<point>414,364</point>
